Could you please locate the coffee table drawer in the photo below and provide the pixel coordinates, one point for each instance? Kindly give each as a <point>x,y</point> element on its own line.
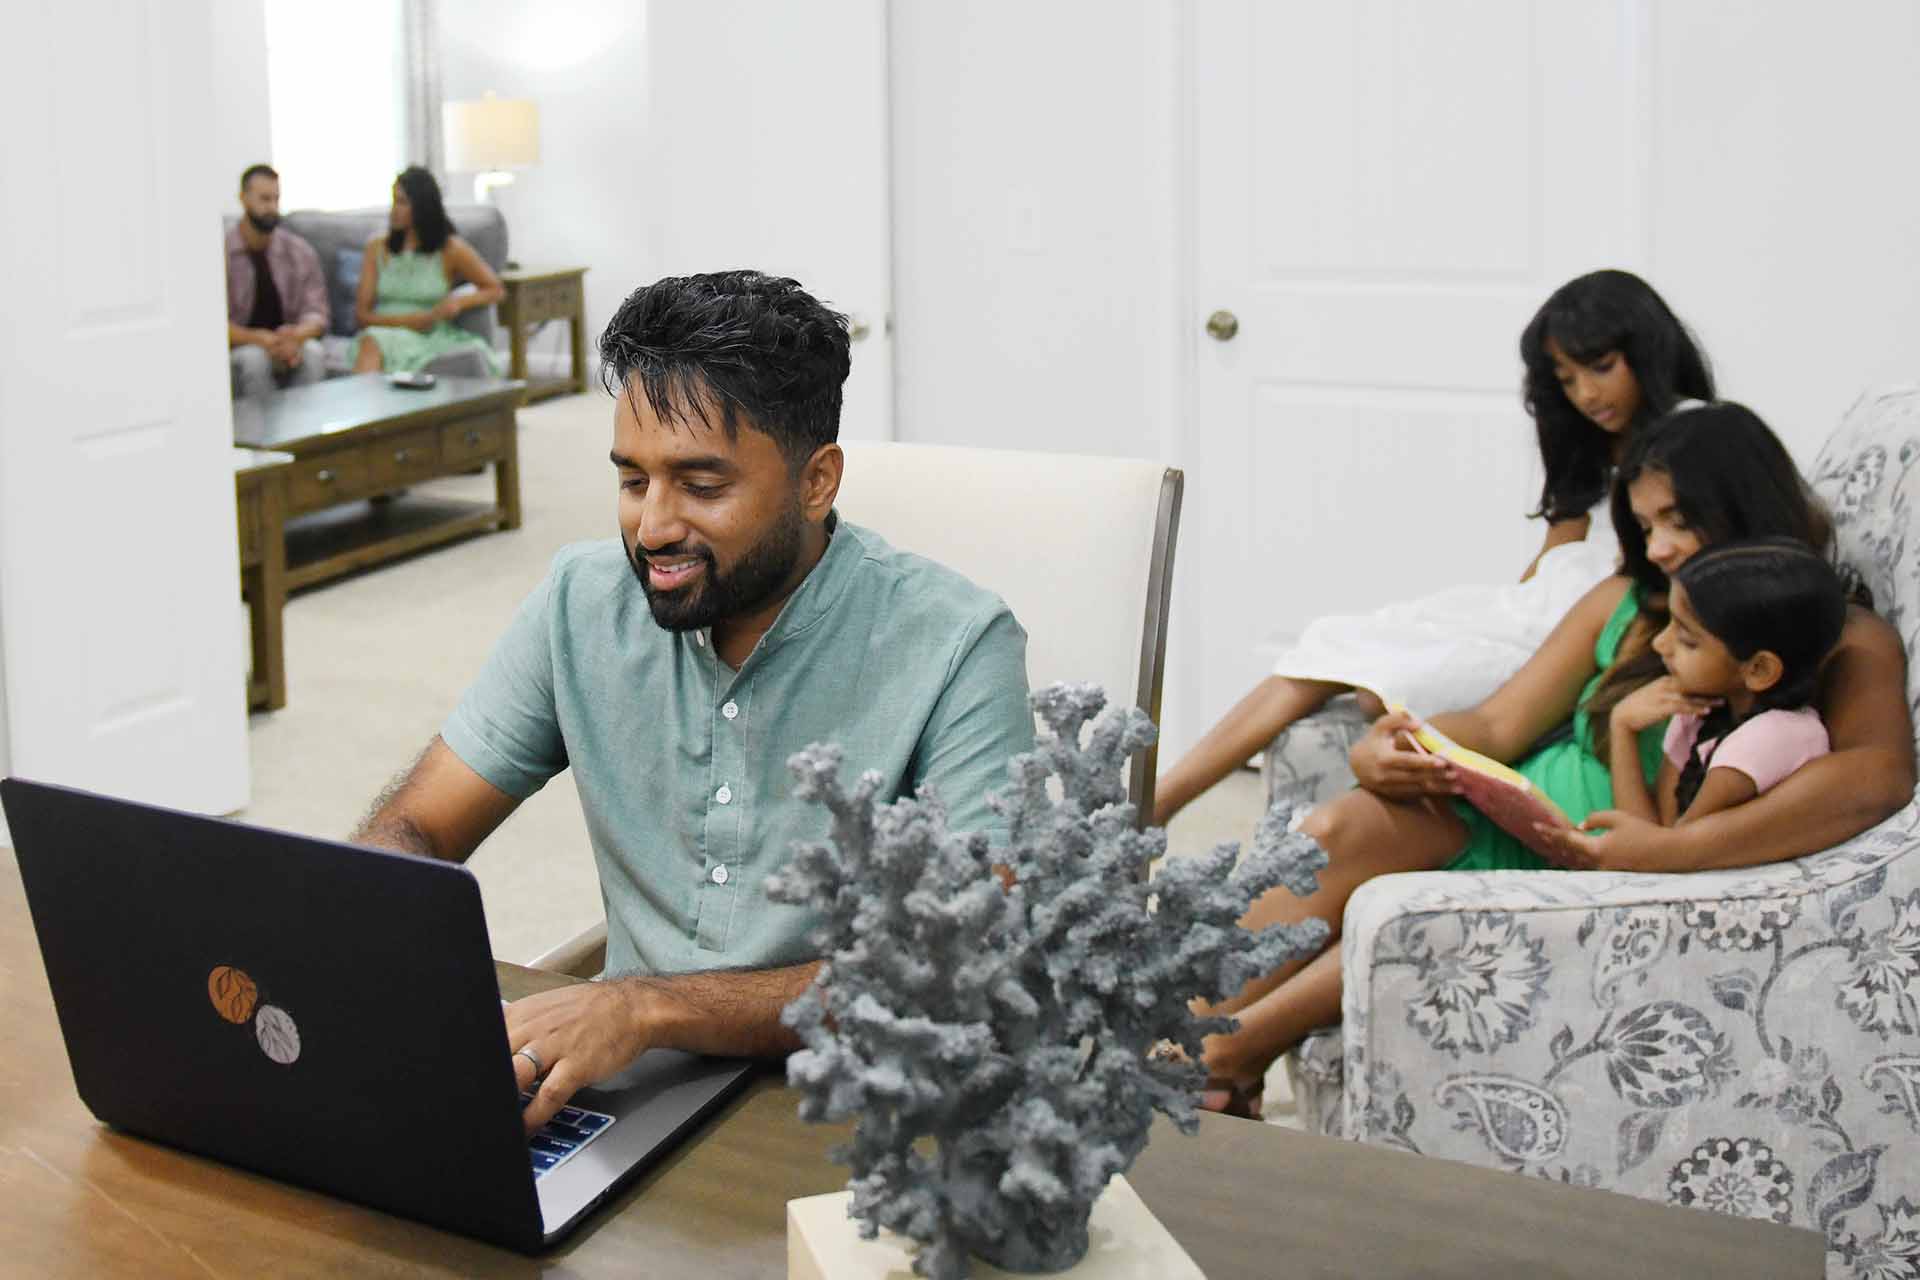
<point>475,440</point>
<point>325,479</point>
<point>395,461</point>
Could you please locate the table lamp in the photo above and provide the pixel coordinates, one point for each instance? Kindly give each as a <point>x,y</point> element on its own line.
<point>489,137</point>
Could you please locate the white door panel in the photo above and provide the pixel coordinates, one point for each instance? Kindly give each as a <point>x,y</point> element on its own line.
<point>1384,192</point>
<point>772,153</point>
<point>118,564</point>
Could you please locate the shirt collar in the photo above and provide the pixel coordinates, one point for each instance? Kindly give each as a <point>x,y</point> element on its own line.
<point>817,593</point>
<point>237,242</point>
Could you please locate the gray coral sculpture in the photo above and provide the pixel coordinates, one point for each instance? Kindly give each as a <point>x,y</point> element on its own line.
<point>1002,1046</point>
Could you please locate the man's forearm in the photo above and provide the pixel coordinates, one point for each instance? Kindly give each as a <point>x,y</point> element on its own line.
<point>307,330</point>
<point>731,1013</point>
<point>385,830</point>
<point>238,335</point>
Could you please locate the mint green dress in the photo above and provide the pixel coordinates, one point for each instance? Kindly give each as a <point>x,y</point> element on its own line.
<point>1567,770</point>
<point>416,282</point>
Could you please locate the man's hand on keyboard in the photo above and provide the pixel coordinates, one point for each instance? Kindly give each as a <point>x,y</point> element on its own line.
<point>578,1034</point>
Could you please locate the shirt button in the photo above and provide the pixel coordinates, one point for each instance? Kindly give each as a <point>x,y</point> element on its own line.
<point>699,639</point>
<point>730,710</point>
<point>719,875</point>
<point>724,795</point>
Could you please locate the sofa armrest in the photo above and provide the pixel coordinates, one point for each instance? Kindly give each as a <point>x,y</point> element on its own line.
<point>1556,1021</point>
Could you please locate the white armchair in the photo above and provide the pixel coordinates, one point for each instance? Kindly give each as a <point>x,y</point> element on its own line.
<point>1744,1041</point>
<point>1081,549</point>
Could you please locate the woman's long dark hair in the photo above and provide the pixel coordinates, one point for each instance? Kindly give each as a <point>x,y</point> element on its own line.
<point>431,226</point>
<point>1732,480</point>
<point>1586,318</point>
<point>1777,594</point>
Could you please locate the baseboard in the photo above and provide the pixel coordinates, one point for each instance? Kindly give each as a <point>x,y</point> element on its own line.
<point>543,361</point>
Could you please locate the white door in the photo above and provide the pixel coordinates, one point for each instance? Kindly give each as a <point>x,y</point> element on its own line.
<point>1385,191</point>
<point>119,577</point>
<point>771,153</point>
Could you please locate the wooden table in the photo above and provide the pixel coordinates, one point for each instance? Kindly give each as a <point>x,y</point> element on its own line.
<point>359,437</point>
<point>260,505</point>
<point>535,296</point>
<point>1246,1199</point>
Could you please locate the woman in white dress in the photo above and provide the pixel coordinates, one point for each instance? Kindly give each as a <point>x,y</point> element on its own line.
<point>1604,355</point>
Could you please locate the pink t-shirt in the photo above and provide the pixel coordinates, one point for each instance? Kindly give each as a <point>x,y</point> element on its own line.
<point>1766,748</point>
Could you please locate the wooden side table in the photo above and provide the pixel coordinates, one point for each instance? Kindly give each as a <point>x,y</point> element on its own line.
<point>260,500</point>
<point>534,297</point>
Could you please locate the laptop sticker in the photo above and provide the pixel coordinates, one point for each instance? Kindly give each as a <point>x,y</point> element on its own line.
<point>236,998</point>
<point>279,1038</point>
<point>233,992</point>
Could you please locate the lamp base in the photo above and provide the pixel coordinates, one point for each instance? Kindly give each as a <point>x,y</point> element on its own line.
<point>484,183</point>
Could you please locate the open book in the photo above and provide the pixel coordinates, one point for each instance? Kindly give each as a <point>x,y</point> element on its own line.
<point>1507,797</point>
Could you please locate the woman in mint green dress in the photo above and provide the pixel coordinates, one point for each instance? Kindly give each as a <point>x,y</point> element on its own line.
<point>1698,477</point>
<point>406,304</point>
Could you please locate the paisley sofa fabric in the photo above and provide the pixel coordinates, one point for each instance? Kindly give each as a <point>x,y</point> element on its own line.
<point>1742,1042</point>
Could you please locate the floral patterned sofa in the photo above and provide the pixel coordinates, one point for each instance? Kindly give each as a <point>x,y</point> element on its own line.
<point>1746,1042</point>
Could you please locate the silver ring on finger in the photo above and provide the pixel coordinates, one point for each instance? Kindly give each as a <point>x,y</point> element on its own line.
<point>533,1060</point>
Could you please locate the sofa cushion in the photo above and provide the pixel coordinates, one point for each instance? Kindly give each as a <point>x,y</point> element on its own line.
<point>340,237</point>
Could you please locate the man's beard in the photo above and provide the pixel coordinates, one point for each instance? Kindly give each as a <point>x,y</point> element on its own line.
<point>715,597</point>
<point>264,223</point>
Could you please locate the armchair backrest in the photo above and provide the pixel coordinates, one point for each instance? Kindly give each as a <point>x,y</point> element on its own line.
<point>1866,474</point>
<point>1080,548</point>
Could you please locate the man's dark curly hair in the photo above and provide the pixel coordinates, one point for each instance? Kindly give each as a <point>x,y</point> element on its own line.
<point>754,346</point>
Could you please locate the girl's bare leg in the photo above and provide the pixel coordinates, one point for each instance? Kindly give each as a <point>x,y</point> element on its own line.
<point>1255,720</point>
<point>1271,1026</point>
<point>366,357</point>
<point>1364,836</point>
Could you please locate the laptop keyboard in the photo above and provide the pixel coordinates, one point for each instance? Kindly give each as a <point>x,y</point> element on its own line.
<point>561,1138</point>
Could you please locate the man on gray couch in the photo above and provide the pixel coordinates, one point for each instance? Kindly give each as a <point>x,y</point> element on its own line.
<point>276,295</point>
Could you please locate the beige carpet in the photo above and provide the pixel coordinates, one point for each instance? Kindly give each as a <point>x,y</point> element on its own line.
<point>375,662</point>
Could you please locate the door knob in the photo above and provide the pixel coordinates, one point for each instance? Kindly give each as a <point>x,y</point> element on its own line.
<point>858,329</point>
<point>1222,325</point>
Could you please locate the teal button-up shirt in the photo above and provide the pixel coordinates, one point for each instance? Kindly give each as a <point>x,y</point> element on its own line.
<point>681,762</point>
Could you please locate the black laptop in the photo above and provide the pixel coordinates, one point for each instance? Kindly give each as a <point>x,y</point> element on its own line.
<point>322,1014</point>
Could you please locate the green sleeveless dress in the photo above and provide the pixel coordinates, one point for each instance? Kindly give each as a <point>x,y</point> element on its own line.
<point>1567,770</point>
<point>415,282</point>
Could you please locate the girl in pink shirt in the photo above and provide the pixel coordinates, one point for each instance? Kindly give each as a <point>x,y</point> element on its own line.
<point>1750,624</point>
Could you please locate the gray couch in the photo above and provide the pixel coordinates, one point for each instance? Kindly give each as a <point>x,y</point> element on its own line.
<point>340,238</point>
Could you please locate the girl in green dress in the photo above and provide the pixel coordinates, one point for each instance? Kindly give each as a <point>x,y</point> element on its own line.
<point>1700,476</point>
<point>406,304</point>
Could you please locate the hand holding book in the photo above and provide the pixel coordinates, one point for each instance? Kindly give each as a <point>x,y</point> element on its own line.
<point>1506,796</point>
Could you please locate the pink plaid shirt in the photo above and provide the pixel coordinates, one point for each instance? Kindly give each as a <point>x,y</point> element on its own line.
<point>296,274</point>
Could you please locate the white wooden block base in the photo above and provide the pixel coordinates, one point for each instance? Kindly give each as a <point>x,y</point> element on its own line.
<point>1128,1243</point>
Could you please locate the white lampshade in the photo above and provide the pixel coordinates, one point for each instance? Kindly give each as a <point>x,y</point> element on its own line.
<point>492,133</point>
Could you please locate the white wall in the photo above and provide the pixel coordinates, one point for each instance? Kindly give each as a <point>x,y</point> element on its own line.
<point>699,135</point>
<point>242,123</point>
<point>1035,247</point>
<point>584,62</point>
<point>1783,199</point>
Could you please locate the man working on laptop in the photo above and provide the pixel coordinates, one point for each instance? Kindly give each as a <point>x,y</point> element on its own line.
<point>736,621</point>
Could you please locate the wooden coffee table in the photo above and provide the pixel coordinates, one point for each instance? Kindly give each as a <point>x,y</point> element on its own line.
<point>260,500</point>
<point>360,437</point>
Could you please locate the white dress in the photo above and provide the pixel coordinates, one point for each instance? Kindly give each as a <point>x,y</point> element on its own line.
<point>1451,649</point>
